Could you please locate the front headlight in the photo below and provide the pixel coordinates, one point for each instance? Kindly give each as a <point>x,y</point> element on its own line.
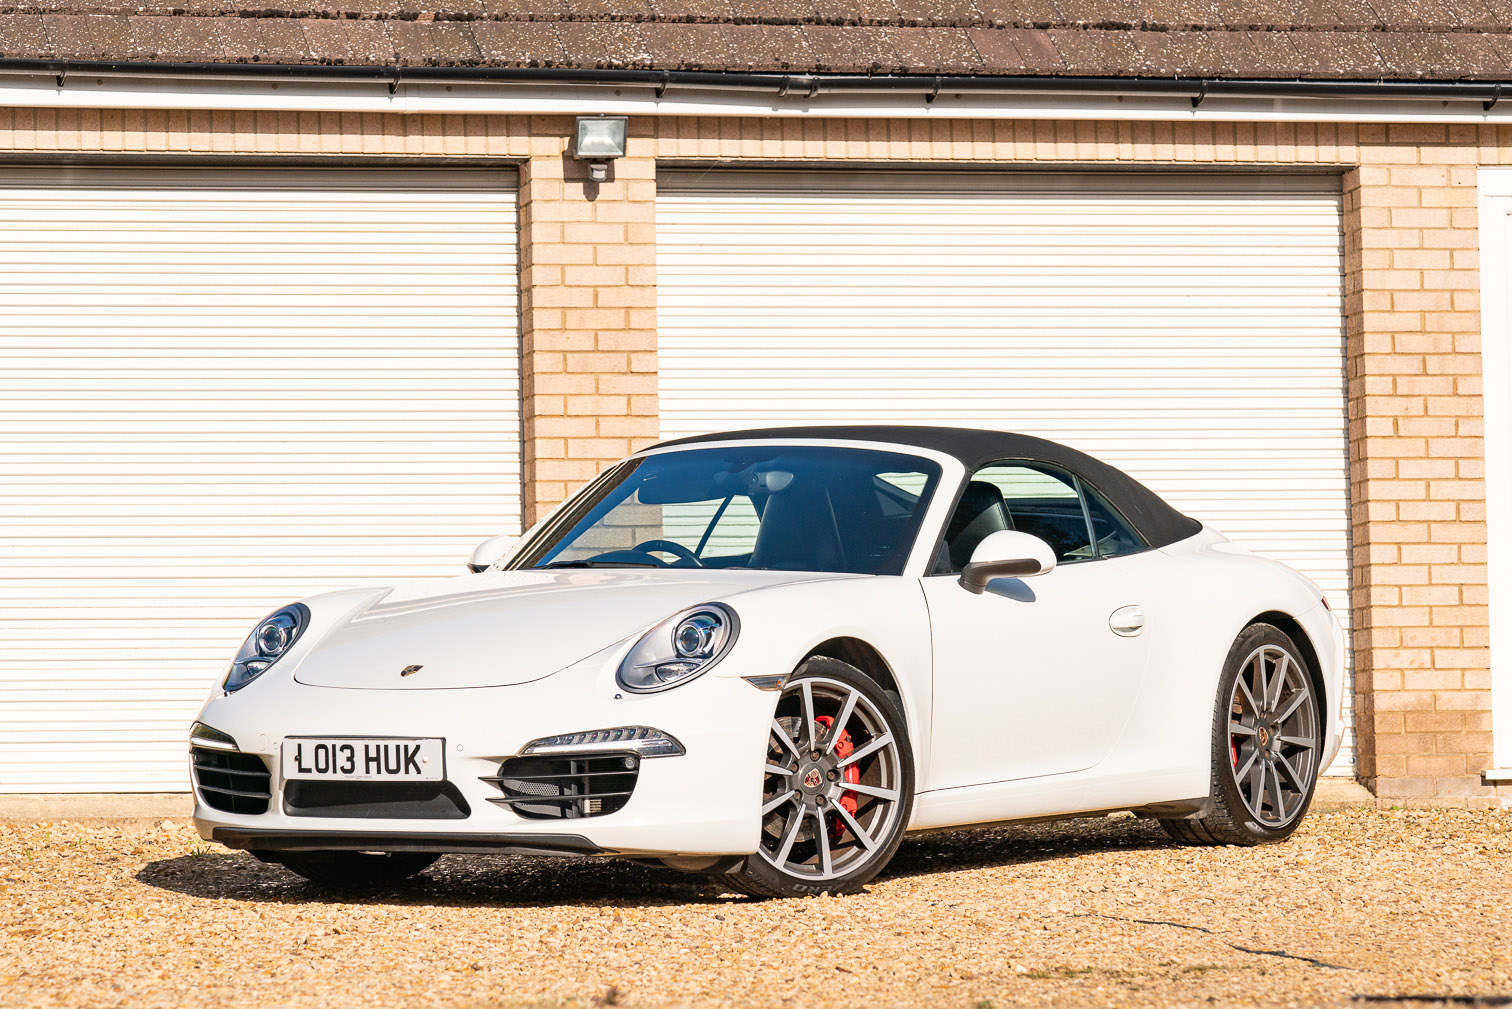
<point>679,648</point>
<point>269,641</point>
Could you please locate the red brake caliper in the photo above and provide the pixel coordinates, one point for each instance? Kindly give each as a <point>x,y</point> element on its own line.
<point>844,747</point>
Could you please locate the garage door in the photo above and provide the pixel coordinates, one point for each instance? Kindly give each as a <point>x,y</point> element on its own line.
<point>221,391</point>
<point>1187,329</point>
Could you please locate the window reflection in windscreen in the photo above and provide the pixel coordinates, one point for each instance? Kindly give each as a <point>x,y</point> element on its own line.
<point>798,508</point>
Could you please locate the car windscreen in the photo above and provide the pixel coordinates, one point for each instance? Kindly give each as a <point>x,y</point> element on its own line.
<point>779,508</point>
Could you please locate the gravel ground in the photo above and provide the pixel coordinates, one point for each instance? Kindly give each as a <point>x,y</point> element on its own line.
<point>1360,904</point>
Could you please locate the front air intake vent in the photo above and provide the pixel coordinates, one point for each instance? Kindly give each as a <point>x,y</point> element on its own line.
<point>231,782</point>
<point>565,787</point>
<point>375,800</point>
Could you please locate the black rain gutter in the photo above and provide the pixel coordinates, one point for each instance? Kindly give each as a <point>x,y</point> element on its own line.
<point>927,86</point>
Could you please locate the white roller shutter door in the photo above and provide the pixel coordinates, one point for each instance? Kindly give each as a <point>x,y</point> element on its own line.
<point>1185,328</point>
<point>221,390</point>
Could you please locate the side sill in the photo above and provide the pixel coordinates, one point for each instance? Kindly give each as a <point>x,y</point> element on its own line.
<point>255,839</point>
<point>1180,809</point>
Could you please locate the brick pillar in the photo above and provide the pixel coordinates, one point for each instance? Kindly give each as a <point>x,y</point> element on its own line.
<point>1416,460</point>
<point>587,310</point>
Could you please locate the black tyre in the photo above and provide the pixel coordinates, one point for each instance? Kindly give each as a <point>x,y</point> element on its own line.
<point>356,869</point>
<point>1267,741</point>
<point>838,787</point>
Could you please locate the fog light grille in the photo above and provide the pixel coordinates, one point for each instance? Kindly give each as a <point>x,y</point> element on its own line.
<point>232,782</point>
<point>551,788</point>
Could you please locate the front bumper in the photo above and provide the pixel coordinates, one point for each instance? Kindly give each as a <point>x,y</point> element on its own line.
<point>705,802</point>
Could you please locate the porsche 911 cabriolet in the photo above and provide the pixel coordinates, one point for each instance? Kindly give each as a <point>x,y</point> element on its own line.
<point>767,655</point>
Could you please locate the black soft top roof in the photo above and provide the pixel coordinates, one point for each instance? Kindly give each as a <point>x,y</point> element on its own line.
<point>1156,521</point>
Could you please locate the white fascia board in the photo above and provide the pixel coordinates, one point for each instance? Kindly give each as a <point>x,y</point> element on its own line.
<point>88,91</point>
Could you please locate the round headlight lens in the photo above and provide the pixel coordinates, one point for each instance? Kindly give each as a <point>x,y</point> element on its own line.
<point>275,634</point>
<point>679,649</point>
<point>694,637</point>
<point>272,638</point>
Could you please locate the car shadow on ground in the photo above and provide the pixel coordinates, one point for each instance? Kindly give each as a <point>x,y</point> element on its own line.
<point>526,881</point>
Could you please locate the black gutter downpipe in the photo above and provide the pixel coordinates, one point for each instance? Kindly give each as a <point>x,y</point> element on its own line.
<point>806,85</point>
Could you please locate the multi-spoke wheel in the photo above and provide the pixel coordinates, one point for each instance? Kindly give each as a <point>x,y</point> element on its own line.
<point>838,785</point>
<point>1267,737</point>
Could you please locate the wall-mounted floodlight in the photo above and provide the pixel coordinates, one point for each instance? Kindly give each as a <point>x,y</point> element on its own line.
<point>600,139</point>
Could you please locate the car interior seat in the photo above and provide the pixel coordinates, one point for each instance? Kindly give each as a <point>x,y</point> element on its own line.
<point>798,531</point>
<point>980,514</point>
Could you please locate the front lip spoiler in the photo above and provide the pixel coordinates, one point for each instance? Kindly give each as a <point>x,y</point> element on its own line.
<point>266,839</point>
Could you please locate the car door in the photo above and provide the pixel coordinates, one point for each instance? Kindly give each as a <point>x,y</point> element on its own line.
<point>1035,676</point>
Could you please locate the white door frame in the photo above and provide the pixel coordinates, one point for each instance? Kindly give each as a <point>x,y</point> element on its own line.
<point>1496,368</point>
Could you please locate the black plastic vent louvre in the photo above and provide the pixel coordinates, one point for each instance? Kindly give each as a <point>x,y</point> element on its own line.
<point>232,782</point>
<point>553,788</point>
<point>380,800</point>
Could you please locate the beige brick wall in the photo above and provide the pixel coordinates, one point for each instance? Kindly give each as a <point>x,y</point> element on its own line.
<point>588,323</point>
<point>1412,344</point>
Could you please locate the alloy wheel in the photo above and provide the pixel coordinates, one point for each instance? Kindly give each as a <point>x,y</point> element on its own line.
<point>1273,735</point>
<point>832,794</point>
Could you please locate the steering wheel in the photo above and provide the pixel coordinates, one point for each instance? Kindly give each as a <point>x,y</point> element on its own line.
<point>681,552</point>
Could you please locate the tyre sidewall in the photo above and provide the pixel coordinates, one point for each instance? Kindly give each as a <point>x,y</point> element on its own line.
<point>779,883</point>
<point>1227,789</point>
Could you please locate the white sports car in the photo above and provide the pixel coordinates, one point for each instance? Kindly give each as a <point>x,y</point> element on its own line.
<point>768,654</point>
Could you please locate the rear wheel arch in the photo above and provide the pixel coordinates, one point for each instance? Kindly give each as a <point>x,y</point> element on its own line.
<point>1288,625</point>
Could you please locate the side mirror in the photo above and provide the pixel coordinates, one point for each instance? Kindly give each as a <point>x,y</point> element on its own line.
<point>1006,554</point>
<point>489,551</point>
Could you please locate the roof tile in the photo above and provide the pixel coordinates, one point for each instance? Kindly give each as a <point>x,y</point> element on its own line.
<point>518,43</point>
<point>1345,15</point>
<point>91,36</point>
<point>1093,13</point>
<point>603,45</point>
<point>937,51</point>
<point>1413,14</point>
<point>858,50</point>
<point>1180,13</point>
<point>22,36</point>
<point>432,43</point>
<point>772,11</point>
<point>1253,14</point>
<point>1036,51</point>
<point>995,48</point>
<point>1018,13</point>
<point>694,10</point>
<point>1476,57</point>
<point>951,13</point>
<point>263,40</point>
<point>1094,53</point>
<point>766,49</point>
<point>1336,55</point>
<point>181,40</point>
<point>1416,56</point>
<point>689,46</point>
<point>856,12</point>
<point>612,10</point>
<point>1174,54</point>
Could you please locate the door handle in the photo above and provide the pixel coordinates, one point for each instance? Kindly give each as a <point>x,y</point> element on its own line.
<point>1127,621</point>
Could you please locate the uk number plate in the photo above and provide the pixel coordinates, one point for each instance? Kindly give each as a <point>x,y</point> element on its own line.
<point>351,759</point>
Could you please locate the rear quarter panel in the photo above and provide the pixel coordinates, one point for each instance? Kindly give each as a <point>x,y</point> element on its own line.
<point>1202,592</point>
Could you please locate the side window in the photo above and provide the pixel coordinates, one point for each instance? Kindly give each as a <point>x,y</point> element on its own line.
<point>1114,535</point>
<point>1017,495</point>
<point>1043,503</point>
